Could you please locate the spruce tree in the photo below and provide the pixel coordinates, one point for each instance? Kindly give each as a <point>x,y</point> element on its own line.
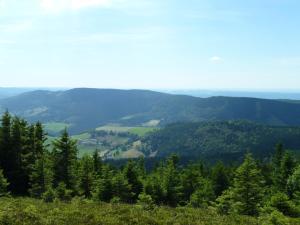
<point>5,143</point>
<point>97,162</point>
<point>131,173</point>
<point>171,181</point>
<point>3,185</point>
<point>65,161</point>
<point>102,188</point>
<point>247,188</point>
<point>287,167</point>
<point>276,165</point>
<point>86,176</point>
<point>154,188</point>
<point>16,173</point>
<point>220,180</point>
<point>41,177</point>
<point>121,189</point>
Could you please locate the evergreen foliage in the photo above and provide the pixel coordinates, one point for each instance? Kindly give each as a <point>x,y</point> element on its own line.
<point>32,169</point>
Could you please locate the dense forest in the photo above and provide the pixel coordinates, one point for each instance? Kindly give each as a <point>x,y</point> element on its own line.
<point>221,140</point>
<point>269,190</point>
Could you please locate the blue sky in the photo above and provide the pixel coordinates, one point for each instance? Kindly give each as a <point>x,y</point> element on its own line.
<point>154,44</point>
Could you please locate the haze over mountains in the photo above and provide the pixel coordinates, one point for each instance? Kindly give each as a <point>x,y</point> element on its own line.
<point>89,108</point>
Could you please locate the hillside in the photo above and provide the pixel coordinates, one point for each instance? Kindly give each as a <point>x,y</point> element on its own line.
<point>220,140</point>
<point>84,109</point>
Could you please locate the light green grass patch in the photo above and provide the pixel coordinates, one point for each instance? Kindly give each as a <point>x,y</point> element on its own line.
<point>56,127</point>
<point>83,136</point>
<point>113,128</point>
<point>141,131</point>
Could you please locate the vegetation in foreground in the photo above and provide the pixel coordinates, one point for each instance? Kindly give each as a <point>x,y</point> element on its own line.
<point>25,211</point>
<point>268,192</point>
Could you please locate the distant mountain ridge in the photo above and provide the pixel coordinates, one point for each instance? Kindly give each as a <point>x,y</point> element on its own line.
<point>86,108</point>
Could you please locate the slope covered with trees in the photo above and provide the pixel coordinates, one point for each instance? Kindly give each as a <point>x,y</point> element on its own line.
<point>268,191</point>
<point>220,140</point>
<point>89,108</point>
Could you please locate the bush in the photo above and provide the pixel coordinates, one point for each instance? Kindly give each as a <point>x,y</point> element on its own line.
<point>63,193</point>
<point>49,195</point>
<point>281,202</point>
<point>146,202</point>
<point>3,185</point>
<point>274,218</point>
<point>224,202</point>
<point>201,197</point>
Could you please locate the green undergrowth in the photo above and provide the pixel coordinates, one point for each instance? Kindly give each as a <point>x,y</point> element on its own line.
<point>27,211</point>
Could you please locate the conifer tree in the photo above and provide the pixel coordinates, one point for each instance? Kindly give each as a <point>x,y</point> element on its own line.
<point>202,197</point>
<point>287,167</point>
<point>154,188</point>
<point>41,177</point>
<point>293,185</point>
<point>276,164</point>
<point>5,143</point>
<point>97,162</point>
<point>121,189</point>
<point>40,140</point>
<point>3,185</point>
<point>131,173</point>
<point>191,178</point>
<point>15,172</point>
<point>220,180</point>
<point>65,161</point>
<point>86,175</point>
<point>247,187</point>
<point>102,188</point>
<point>171,181</point>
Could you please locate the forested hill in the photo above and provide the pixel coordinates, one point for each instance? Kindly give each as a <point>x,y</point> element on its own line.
<point>89,108</point>
<point>220,140</point>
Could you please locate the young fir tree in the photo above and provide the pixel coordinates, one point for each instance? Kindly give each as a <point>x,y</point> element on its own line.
<point>154,188</point>
<point>247,188</point>
<point>204,195</point>
<point>41,177</point>
<point>287,167</point>
<point>65,161</point>
<point>86,175</point>
<point>102,188</point>
<point>28,157</point>
<point>276,166</point>
<point>5,143</point>
<point>220,180</point>
<point>97,162</point>
<point>191,178</point>
<point>16,173</point>
<point>121,189</point>
<point>293,185</point>
<point>3,185</point>
<point>171,181</point>
<point>131,173</point>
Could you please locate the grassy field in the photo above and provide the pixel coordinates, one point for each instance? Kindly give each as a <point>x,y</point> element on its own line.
<point>25,211</point>
<point>140,131</point>
<point>55,127</point>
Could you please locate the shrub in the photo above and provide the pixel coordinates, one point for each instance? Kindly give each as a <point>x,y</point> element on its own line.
<point>146,202</point>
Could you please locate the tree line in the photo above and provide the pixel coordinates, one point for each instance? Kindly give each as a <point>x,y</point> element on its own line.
<point>31,167</point>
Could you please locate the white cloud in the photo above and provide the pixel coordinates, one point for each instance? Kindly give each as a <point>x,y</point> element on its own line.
<point>216,59</point>
<point>61,5</point>
<point>16,27</point>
